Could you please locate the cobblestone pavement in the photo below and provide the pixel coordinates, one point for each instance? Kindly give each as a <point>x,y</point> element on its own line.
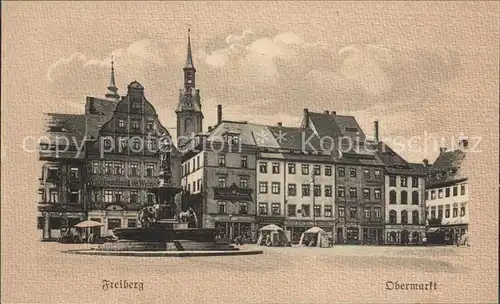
<point>280,275</point>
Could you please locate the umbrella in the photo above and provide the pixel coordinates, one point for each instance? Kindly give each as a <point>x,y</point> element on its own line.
<point>315,230</point>
<point>88,224</point>
<point>270,228</point>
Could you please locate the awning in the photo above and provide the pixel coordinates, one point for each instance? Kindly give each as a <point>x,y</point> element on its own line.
<point>434,229</point>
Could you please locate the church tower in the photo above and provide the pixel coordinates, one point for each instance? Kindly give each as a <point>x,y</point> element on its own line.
<point>189,115</point>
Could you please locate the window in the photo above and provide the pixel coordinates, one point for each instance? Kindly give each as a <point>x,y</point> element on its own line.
<point>392,197</point>
<point>427,212</point>
<point>243,182</point>
<point>414,217</point>
<point>134,169</point>
<point>414,198</point>
<point>107,143</point>
<point>244,161</point>
<point>317,170</point>
<point>188,168</point>
<point>404,217</point>
<point>263,167</point>
<point>134,196</point>
<point>433,194</point>
<point>108,196</point>
<point>150,125</point>
<point>194,186</point>
<point>306,211</point>
<point>121,123</point>
<point>367,213</point>
<point>292,209</point>
<point>222,160</point>
<point>317,210</point>
<point>328,170</point>
<point>262,187</point>
<point>462,211</point>
<point>151,145</point>
<point>404,198</point>
<point>305,169</point>
<point>95,196</point>
<point>276,168</point>
<point>317,190</point>
<point>392,181</point>
<point>53,196</point>
<point>74,197</point>
<point>455,191</point>
<point>221,207</point>
<point>150,198</point>
<point>199,185</point>
<point>404,181</point>
<point>433,212</point>
<point>392,217</point>
<point>194,164</point>
<point>353,193</point>
<point>222,182</point>
<point>447,192</point>
<point>366,193</point>
<point>366,173</point>
<point>341,171</point>
<point>118,168</point>
<point>275,187</point>
<point>341,192</point>
<point>150,170</point>
<point>136,144</point>
<point>353,172</point>
<point>447,211</point>
<point>328,190</point>
<point>377,173</point>
<point>263,208</point>
<point>414,182</point>
<point>275,209</point>
<point>341,210</point>
<point>135,124</point>
<point>378,212</point>
<point>291,168</point>
<point>440,193</point>
<point>440,212</point>
<point>462,189</point>
<point>136,104</point>
<point>306,190</point>
<point>131,223</point>
<point>109,168</point>
<point>328,211</point>
<point>122,143</point>
<point>353,212</point>
<point>243,208</point>
<point>73,173</point>
<point>96,168</point>
<point>114,223</point>
<point>378,193</point>
<point>426,195</point>
<point>455,211</point>
<point>292,189</point>
<point>198,161</point>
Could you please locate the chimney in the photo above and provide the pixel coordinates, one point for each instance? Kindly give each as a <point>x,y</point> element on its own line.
<point>209,128</point>
<point>326,112</point>
<point>219,114</point>
<point>306,117</point>
<point>375,124</point>
<point>441,150</point>
<point>334,113</point>
<point>280,124</point>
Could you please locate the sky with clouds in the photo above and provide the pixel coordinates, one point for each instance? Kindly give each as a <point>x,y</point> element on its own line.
<point>415,67</point>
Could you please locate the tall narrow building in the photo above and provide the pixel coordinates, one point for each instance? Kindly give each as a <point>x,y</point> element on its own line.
<point>189,114</point>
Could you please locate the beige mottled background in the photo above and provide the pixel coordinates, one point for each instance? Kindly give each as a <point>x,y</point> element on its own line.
<point>418,67</point>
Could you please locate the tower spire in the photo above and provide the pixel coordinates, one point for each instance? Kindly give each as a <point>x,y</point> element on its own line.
<point>189,57</point>
<point>112,89</point>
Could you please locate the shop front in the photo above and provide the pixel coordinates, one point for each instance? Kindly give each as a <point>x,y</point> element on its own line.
<point>53,223</point>
<point>295,228</point>
<point>232,226</point>
<point>113,216</point>
<point>372,234</point>
<point>404,234</point>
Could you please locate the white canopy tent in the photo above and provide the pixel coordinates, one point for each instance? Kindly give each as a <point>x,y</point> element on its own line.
<point>316,236</point>
<point>276,235</point>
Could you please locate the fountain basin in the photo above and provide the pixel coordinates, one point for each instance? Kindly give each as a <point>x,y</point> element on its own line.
<point>160,234</point>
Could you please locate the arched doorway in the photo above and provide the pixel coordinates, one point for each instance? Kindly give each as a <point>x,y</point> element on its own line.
<point>415,237</point>
<point>405,236</point>
<point>393,237</point>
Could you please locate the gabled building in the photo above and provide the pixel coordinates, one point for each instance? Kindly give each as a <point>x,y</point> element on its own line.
<point>404,197</point>
<point>447,191</point>
<point>359,178</point>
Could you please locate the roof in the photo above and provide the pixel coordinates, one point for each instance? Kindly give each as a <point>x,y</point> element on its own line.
<point>447,168</point>
<point>65,128</point>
